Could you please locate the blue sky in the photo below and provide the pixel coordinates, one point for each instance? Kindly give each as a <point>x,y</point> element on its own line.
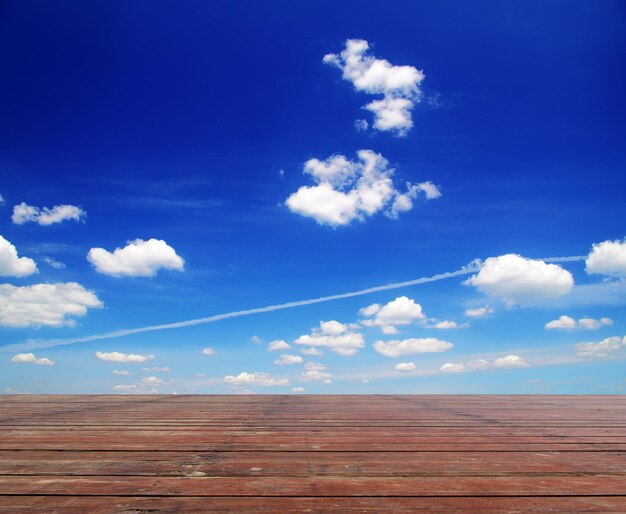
<point>242,155</point>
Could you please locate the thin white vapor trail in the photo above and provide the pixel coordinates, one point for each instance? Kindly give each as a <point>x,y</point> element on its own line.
<point>48,343</point>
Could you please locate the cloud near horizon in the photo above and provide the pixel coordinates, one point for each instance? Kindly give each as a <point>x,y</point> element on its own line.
<point>400,348</point>
<point>134,358</point>
<point>335,336</point>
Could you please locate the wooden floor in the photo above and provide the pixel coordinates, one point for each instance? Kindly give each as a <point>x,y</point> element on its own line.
<point>312,454</point>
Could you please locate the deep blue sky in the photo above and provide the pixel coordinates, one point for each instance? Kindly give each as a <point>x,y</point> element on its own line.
<point>173,121</point>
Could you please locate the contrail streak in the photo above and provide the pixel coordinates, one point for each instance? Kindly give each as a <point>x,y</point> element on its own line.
<point>48,343</point>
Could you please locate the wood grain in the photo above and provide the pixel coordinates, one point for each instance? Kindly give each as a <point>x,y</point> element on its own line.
<point>400,453</point>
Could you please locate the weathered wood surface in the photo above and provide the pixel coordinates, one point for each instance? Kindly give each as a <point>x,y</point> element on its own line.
<point>312,454</point>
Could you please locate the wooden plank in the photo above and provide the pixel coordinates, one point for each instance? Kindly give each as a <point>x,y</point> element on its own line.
<point>166,463</point>
<point>160,504</point>
<point>596,485</point>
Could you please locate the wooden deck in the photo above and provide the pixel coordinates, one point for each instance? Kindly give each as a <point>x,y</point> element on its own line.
<point>478,454</point>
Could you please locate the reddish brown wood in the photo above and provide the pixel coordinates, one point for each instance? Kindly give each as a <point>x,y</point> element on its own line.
<point>333,453</point>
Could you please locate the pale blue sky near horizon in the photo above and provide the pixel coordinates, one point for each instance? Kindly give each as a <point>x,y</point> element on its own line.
<point>162,163</point>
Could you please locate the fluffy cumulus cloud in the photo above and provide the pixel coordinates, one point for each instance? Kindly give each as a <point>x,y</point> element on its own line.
<point>208,351</point>
<point>335,336</point>
<point>446,325</point>
<point>315,371</point>
<point>451,367</point>
<point>398,312</point>
<point>11,265</point>
<point>30,358</point>
<point>511,361</point>
<point>607,258</point>
<point>255,379</point>
<point>348,190</point>
<point>138,258</point>
<point>50,305</point>
<point>24,213</point>
<point>605,348</point>
<point>288,360</point>
<point>316,352</point>
<point>154,381</point>
<point>278,345</point>
<point>399,348</point>
<point>404,366</point>
<point>519,280</point>
<point>132,358</point>
<point>569,323</point>
<point>508,361</point>
<point>397,85</point>
<point>480,312</point>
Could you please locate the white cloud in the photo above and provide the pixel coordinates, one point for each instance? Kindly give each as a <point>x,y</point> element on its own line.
<point>404,366</point>
<point>51,305</point>
<point>208,351</point>
<point>607,258</point>
<point>332,328</point>
<point>255,379</point>
<point>347,190</point>
<point>511,361</point>
<point>297,389</point>
<point>370,310</point>
<point>601,349</point>
<point>480,312</point>
<point>451,367</point>
<point>398,348</point>
<point>278,345</point>
<point>134,358</point>
<point>11,265</point>
<point>445,325</point>
<point>483,364</point>
<point>121,372</point>
<point>312,351</point>
<point>256,340</point>
<point>30,358</point>
<point>125,387</point>
<point>153,381</point>
<point>157,369</point>
<point>53,263</point>
<point>401,311</point>
<point>1,199</point>
<point>138,258</point>
<point>519,280</point>
<point>315,371</point>
<point>399,85</point>
<point>24,213</point>
<point>568,323</point>
<point>288,360</point>
<point>346,342</point>
<point>477,364</point>
<point>564,322</point>
<point>361,125</point>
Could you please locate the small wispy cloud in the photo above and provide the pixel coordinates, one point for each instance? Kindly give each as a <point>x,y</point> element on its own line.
<point>24,213</point>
